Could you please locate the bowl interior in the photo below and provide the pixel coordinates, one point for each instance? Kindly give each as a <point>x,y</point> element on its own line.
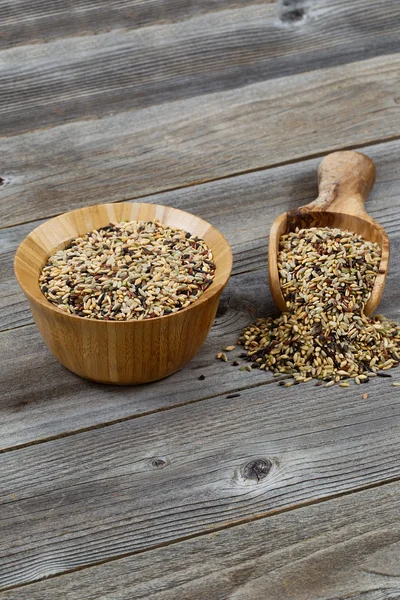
<point>58,232</point>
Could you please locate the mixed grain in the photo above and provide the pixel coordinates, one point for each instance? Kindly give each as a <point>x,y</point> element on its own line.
<point>128,271</point>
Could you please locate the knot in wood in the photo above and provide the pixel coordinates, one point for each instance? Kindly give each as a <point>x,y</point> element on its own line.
<point>293,12</point>
<point>159,463</point>
<point>291,16</point>
<point>257,469</point>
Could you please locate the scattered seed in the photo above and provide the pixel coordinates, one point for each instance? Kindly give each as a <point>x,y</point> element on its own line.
<point>201,378</point>
<point>229,348</point>
<point>344,384</point>
<point>233,396</point>
<point>235,363</point>
<point>365,396</point>
<point>326,277</point>
<point>248,368</point>
<point>395,384</point>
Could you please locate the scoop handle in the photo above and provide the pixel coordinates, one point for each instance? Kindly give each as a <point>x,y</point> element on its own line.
<point>345,180</point>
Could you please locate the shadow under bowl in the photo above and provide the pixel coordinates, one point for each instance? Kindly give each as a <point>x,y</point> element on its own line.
<point>120,352</point>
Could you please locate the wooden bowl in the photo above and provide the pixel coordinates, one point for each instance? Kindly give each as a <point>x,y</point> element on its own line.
<point>120,352</point>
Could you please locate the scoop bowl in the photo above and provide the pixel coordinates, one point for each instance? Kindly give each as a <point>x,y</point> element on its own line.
<point>345,180</point>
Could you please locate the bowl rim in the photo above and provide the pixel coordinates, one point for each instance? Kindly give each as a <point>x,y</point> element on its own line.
<point>47,305</point>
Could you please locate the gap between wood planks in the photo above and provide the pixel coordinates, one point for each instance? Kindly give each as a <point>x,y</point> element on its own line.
<point>283,163</point>
<point>242,128</point>
<point>220,50</point>
<point>209,531</point>
<point>66,434</point>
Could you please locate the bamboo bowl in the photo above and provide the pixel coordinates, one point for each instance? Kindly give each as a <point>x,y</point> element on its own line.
<point>120,352</point>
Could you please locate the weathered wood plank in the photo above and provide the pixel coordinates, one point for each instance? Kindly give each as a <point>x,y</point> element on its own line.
<point>131,486</point>
<point>52,401</point>
<point>49,400</point>
<point>242,207</point>
<point>184,142</point>
<point>347,548</point>
<point>33,21</point>
<point>81,78</point>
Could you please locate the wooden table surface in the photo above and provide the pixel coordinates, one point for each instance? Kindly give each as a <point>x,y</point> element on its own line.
<point>229,487</point>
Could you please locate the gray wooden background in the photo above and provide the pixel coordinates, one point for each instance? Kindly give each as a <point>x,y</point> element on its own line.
<point>223,108</point>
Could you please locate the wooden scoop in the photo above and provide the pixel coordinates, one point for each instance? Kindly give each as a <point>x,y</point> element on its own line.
<point>345,180</point>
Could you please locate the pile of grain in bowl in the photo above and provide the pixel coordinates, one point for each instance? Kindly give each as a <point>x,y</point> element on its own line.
<point>326,278</point>
<point>128,270</point>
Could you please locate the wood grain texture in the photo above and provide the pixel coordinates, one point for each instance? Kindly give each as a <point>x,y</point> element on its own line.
<point>189,141</point>
<point>242,207</point>
<point>33,21</point>
<point>52,401</point>
<point>120,352</point>
<point>346,548</point>
<point>89,77</point>
<point>49,400</point>
<point>134,485</point>
<point>345,179</point>
<point>210,461</point>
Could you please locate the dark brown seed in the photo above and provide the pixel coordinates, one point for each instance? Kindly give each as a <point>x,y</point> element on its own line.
<point>201,378</point>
